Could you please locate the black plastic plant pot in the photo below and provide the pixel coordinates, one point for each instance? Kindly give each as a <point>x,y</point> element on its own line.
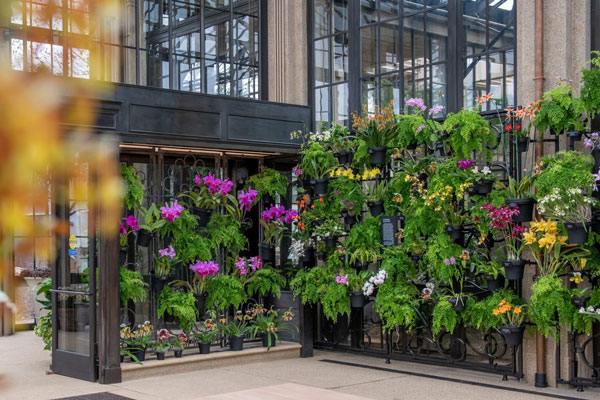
<point>204,348</point>
<point>357,299</point>
<point>178,353</point>
<point>522,144</point>
<point>487,243</point>
<point>348,219</point>
<point>122,255</point>
<point>267,199</point>
<point>122,357</point>
<point>596,221</point>
<point>377,154</point>
<point>160,355</point>
<point>513,335</point>
<point>342,259</point>
<point>360,266</point>
<point>143,238</point>
<point>266,252</point>
<point>321,255</point>
<point>412,146</point>
<point>236,343</point>
<point>265,339</point>
<point>309,255</point>
<point>330,242</point>
<point>139,354</point>
<point>596,155</point>
<point>200,302</point>
<point>375,207</point>
<point>494,284</point>
<point>457,303</point>
<point>202,214</point>
<point>484,186</point>
<point>456,232</point>
<point>575,135</point>
<point>344,157</point>
<point>525,209</point>
<point>320,186</point>
<point>158,282</point>
<point>577,232</point>
<point>513,269</point>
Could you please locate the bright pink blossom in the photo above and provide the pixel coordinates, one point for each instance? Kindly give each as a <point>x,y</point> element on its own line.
<point>255,263</point>
<point>171,211</point>
<point>167,252</point>
<point>205,268</point>
<point>341,280</point>
<point>247,198</point>
<point>465,164</point>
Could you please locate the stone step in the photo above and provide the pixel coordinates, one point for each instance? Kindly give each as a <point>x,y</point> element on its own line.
<point>218,357</point>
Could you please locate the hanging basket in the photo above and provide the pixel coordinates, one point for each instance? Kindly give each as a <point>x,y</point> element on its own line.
<point>457,303</point>
<point>377,155</point>
<point>320,186</point>
<point>513,269</point>
<point>200,302</point>
<point>513,335</point>
<point>266,252</point>
<point>484,186</point>
<point>357,299</point>
<point>494,284</point>
<point>525,207</point>
<point>375,207</point>
<point>202,214</point>
<point>578,232</point>
<point>157,282</point>
<point>344,157</point>
<point>330,242</point>
<point>143,238</point>
<point>456,233</point>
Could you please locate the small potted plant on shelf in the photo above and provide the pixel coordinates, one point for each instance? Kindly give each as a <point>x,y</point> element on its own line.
<point>138,340</point>
<point>376,190</point>
<point>152,223</point>
<point>559,111</point>
<point>355,282</point>
<point>329,231</point>
<point>492,271</point>
<point>268,324</point>
<point>448,201</point>
<point>163,264</point>
<point>521,197</point>
<point>178,344</point>
<point>161,346</point>
<point>413,126</point>
<point>206,335</point>
<point>341,144</point>
<point>236,329</point>
<point>317,162</point>
<point>501,221</point>
<point>513,317</point>
<point>274,221</point>
<point>376,130</point>
<point>515,121</point>
<point>204,270</point>
<point>210,192</point>
<point>482,180</point>
<point>269,183</point>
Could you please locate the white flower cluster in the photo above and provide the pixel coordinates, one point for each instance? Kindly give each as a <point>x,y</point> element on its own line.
<point>589,310</point>
<point>369,286</point>
<point>297,248</point>
<point>320,136</point>
<point>571,205</point>
<point>484,171</point>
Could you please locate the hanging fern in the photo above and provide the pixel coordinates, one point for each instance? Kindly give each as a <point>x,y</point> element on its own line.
<point>469,132</point>
<point>444,316</point>
<point>134,192</point>
<point>559,111</point>
<point>178,304</point>
<point>264,281</point>
<point>224,291</point>
<point>550,305</point>
<point>590,91</point>
<point>132,286</point>
<point>225,232</point>
<point>270,182</point>
<point>395,303</point>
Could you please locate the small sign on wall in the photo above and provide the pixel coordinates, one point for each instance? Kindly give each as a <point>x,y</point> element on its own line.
<point>389,229</point>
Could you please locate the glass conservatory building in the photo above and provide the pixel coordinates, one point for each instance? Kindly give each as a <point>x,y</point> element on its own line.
<point>219,85</point>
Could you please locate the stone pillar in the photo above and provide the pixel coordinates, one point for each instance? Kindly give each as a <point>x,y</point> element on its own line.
<point>287,51</point>
<point>567,41</point>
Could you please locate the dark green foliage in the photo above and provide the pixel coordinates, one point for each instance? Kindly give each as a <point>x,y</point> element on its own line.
<point>439,248</point>
<point>549,300</point>
<point>309,284</point>
<point>365,235</point>
<point>134,191</point>
<point>480,315</point>
<point>265,281</point>
<point>559,111</point>
<point>335,301</point>
<point>43,327</point>
<point>344,191</point>
<point>469,132</point>
<point>178,304</point>
<point>397,186</point>
<point>269,181</point>
<point>395,303</point>
<point>225,231</point>
<point>131,286</point>
<point>408,132</point>
<point>564,170</point>
<point>444,316</point>
<point>317,160</point>
<point>224,291</point>
<point>590,91</point>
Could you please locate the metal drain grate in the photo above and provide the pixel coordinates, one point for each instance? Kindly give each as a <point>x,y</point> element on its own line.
<point>96,396</point>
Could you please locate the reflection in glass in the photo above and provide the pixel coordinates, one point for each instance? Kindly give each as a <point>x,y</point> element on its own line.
<point>437,85</point>
<point>322,104</point>
<point>73,316</point>
<point>414,40</point>
<point>368,11</point>
<point>340,57</point>
<point>369,95</point>
<point>340,103</point>
<point>368,47</point>
<point>340,15</point>
<point>321,18</point>
<point>321,62</point>
<point>390,90</point>
<point>389,43</point>
<point>474,84</point>
<point>388,9</point>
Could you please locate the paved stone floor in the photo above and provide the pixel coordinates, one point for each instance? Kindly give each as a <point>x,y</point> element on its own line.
<point>23,366</point>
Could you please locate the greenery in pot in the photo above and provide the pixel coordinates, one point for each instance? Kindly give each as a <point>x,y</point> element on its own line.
<point>131,286</point>
<point>492,267</point>
<point>339,139</point>
<point>559,111</point>
<point>310,283</point>
<point>43,326</point>
<point>269,181</point>
<point>396,303</point>
<point>134,191</point>
<point>152,218</point>
<point>377,128</point>
<point>512,315</point>
<point>165,261</point>
<point>414,128</point>
<point>480,315</point>
<point>444,316</point>
<point>259,280</point>
<point>224,291</point>
<point>397,196</point>
<point>212,192</point>
<point>270,323</point>
<point>207,332</point>
<point>564,170</point>
<point>439,249</point>
<point>317,160</point>
<point>550,305</point>
<point>501,225</point>
<point>179,304</point>
<point>364,235</point>
<point>161,345</point>
<point>590,90</point>
<point>518,189</point>
<point>225,233</point>
<point>274,220</point>
<point>179,342</point>
<point>469,132</point>
<point>348,193</point>
<point>140,337</point>
<point>329,228</point>
<point>376,190</point>
<point>127,226</point>
<point>237,326</point>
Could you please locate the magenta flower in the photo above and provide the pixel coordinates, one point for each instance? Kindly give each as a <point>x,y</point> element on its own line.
<point>247,198</point>
<point>421,127</point>
<point>205,268</point>
<point>255,263</point>
<point>171,211</point>
<point>589,143</point>
<point>290,216</point>
<point>595,135</point>
<point>212,183</point>
<point>226,187</point>
<point>122,228</point>
<point>465,164</point>
<point>452,260</point>
<point>500,217</point>
<point>274,213</point>
<point>447,261</point>
<point>241,266</point>
<point>416,102</point>
<point>197,180</point>
<point>297,171</point>
<point>341,280</point>
<point>167,252</point>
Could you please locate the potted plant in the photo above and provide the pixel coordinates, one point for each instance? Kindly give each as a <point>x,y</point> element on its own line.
<point>138,339</point>
<point>204,271</point>
<point>447,200</point>
<point>206,335</point>
<point>178,304</point>
<point>269,183</point>
<point>163,264</point>
<point>515,121</point>
<point>355,282</point>
<point>274,220</point>
<point>521,193</point>
<point>376,130</point>
<point>317,162</point>
<point>513,317</point>
<point>559,111</point>
<point>468,132</point>
<point>573,208</point>
<point>210,192</point>
<point>131,286</point>
<point>134,192</point>
<point>268,324</point>
<point>152,223</point>
<point>492,271</point>
<point>161,346</point>
<point>341,143</point>
<point>501,222</point>
<point>414,128</point>
<point>329,231</point>
<point>375,195</point>
<point>236,329</point>
<point>482,180</point>
<point>127,226</point>
<point>178,344</point>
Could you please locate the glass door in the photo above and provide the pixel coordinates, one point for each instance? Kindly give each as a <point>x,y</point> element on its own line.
<point>74,284</point>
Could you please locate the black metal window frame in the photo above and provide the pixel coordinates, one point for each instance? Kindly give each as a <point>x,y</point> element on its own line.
<point>454,60</point>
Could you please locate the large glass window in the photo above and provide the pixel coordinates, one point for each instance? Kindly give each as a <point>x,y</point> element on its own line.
<point>203,46</point>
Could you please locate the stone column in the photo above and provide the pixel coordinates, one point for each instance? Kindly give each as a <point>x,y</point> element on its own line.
<point>287,51</point>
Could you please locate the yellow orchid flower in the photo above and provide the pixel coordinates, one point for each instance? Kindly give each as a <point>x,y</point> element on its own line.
<point>529,237</point>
